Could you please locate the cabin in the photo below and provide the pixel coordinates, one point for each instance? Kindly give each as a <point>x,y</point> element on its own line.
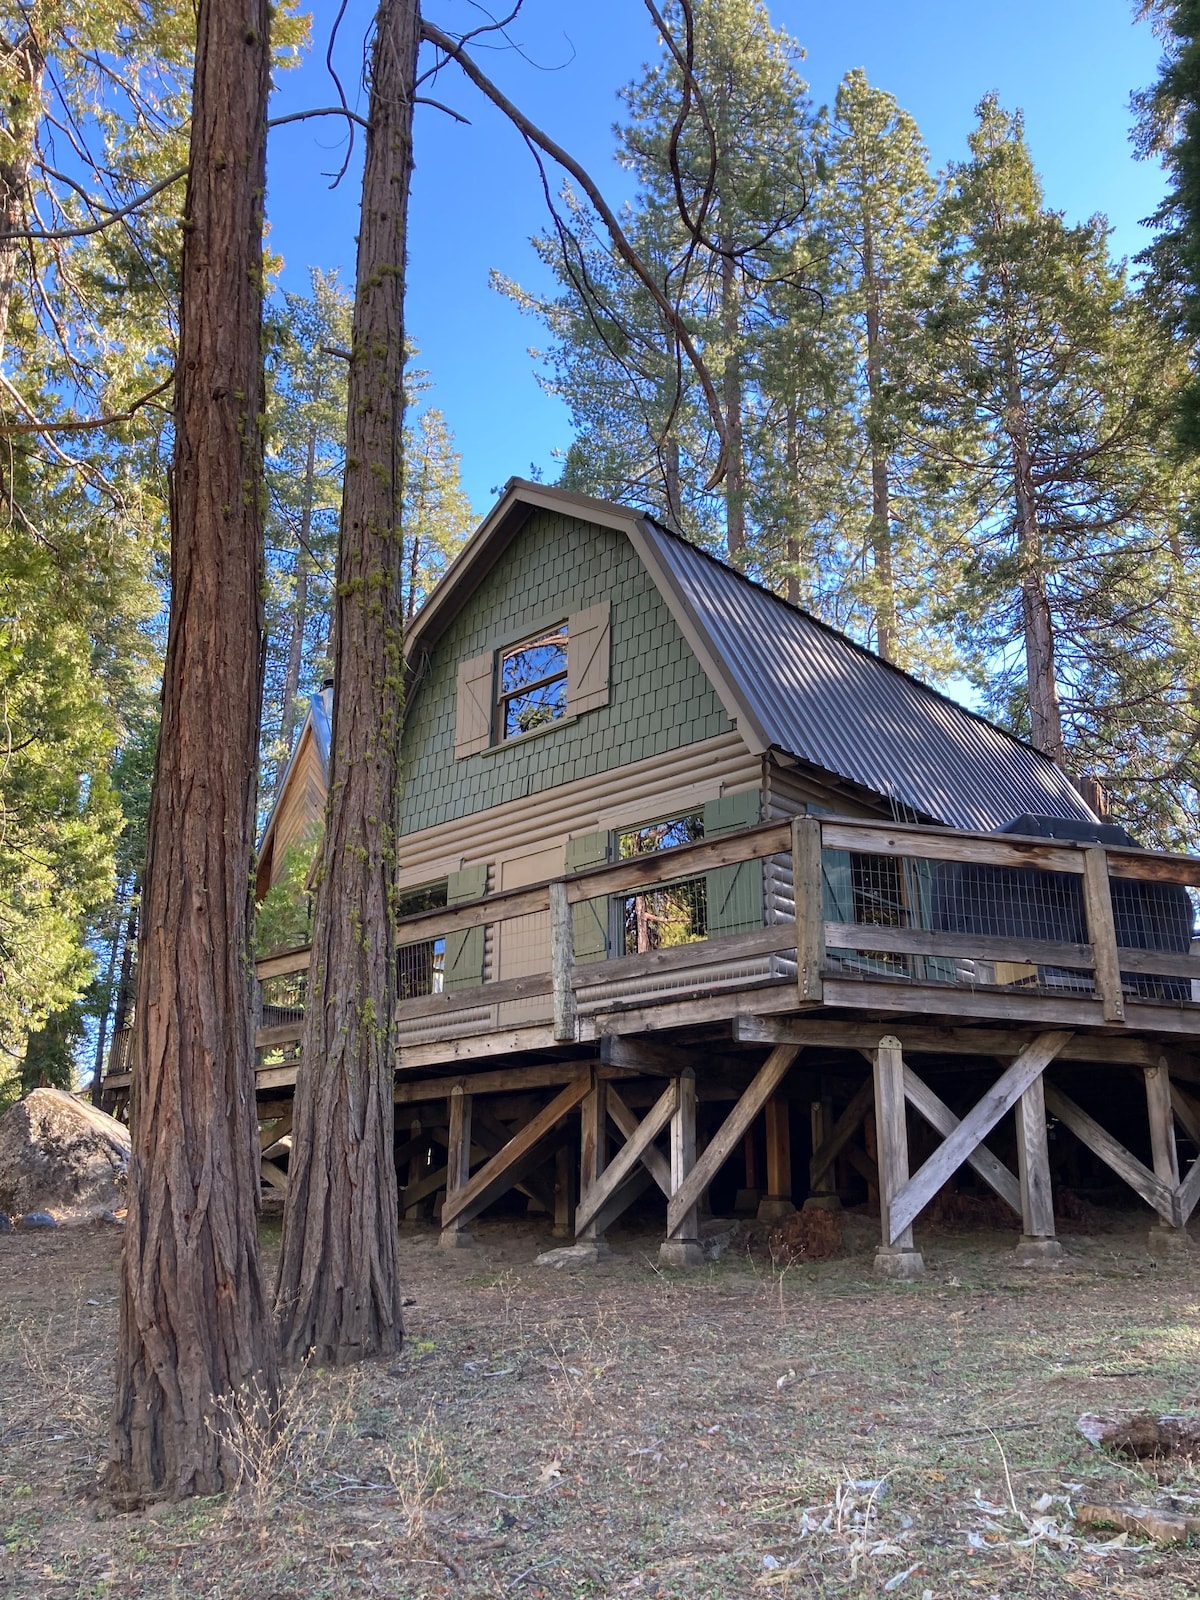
<point>298,809</point>
<point>705,907</point>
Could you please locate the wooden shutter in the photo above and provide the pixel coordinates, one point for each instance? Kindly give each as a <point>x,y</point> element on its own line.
<point>590,917</point>
<point>464,951</point>
<point>473,705</point>
<point>735,894</point>
<point>588,648</point>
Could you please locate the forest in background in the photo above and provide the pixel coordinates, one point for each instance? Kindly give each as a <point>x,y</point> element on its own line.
<point>948,423</point>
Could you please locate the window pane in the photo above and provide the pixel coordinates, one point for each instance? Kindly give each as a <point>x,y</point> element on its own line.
<point>661,835</point>
<point>524,712</point>
<point>533,660</point>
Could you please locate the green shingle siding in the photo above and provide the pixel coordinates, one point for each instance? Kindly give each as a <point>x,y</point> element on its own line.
<point>557,565</point>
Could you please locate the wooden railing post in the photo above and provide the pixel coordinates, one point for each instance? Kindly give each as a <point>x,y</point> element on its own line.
<point>810,908</point>
<point>1102,932</point>
<point>896,1256</point>
<point>562,961</point>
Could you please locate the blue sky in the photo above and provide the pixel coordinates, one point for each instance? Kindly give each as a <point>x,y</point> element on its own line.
<point>1070,64</point>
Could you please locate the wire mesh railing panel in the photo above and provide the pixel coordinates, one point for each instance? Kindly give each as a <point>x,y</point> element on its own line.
<point>663,917</point>
<point>283,999</point>
<point>420,969</point>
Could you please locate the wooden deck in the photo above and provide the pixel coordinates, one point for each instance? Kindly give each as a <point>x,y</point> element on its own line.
<point>527,1081</point>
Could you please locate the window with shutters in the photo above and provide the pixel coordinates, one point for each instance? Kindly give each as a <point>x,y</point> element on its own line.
<point>531,683</point>
<point>668,914</point>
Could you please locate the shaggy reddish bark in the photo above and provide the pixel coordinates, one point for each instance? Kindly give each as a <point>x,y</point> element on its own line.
<point>338,1294</point>
<point>195,1356</point>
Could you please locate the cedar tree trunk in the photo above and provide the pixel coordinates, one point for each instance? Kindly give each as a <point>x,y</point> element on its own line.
<point>195,1356</point>
<point>338,1295</point>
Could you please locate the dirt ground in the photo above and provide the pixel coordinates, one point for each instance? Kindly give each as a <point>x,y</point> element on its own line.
<point>624,1431</point>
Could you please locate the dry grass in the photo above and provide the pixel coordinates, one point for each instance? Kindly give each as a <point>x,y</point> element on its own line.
<point>739,1431</point>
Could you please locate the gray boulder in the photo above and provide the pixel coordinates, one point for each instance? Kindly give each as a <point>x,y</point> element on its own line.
<point>61,1157</point>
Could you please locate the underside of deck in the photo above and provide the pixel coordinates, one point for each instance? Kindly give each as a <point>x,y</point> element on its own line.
<point>855,1048</point>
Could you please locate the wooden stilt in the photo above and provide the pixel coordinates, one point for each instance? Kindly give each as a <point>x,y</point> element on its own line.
<point>834,1140</point>
<point>1170,1236</point>
<point>778,1201</point>
<point>593,1150</point>
<point>1033,1170</point>
<point>420,1162</point>
<point>681,1247</point>
<point>896,1257</point>
<point>458,1169</point>
<point>564,1175</point>
<point>750,1193</point>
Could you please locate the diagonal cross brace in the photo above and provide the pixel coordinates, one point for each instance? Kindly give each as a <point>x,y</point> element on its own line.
<point>940,1117</point>
<point>629,1156</point>
<point>1153,1190</point>
<point>972,1130</point>
<point>766,1080</point>
<point>505,1168</point>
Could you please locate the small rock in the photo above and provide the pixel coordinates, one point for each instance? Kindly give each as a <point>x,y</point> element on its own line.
<point>38,1219</point>
<point>572,1257</point>
<point>770,1563</point>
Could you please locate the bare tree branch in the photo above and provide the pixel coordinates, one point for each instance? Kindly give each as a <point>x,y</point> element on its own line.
<point>625,249</point>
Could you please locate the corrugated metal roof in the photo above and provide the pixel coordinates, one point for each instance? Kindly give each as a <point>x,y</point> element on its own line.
<point>817,695</point>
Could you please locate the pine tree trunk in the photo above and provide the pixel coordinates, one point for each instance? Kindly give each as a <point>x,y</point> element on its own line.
<point>338,1294</point>
<point>672,482</point>
<point>1045,715</point>
<point>195,1358</point>
<point>291,681</point>
<point>735,477</point>
<point>792,453</point>
<point>886,623</point>
<point>22,70</point>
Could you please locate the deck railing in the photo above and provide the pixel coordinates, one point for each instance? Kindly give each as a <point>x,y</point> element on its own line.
<point>875,911</point>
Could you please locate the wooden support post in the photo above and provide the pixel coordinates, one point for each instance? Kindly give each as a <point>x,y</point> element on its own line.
<point>564,1176</point>
<point>896,1257</point>
<point>681,1247</point>
<point>808,886</point>
<point>420,1163</point>
<point>750,1193</point>
<point>1033,1168</point>
<point>835,1141</point>
<point>1102,932</point>
<point>562,961</point>
<point>593,1150</point>
<point>458,1169</point>
<point>778,1202</point>
<point>1170,1236</point>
